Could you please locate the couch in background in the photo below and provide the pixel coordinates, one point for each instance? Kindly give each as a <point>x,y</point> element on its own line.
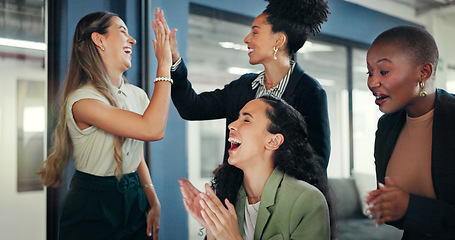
<point>352,224</point>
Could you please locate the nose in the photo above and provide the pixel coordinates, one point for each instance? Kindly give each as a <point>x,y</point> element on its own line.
<point>373,82</point>
<point>247,38</point>
<point>132,41</point>
<point>233,126</point>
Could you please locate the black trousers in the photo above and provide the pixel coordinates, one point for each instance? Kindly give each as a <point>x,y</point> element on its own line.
<point>104,208</point>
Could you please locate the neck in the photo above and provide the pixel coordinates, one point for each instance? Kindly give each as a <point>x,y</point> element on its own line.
<point>254,182</point>
<point>422,105</point>
<point>275,71</point>
<point>116,80</point>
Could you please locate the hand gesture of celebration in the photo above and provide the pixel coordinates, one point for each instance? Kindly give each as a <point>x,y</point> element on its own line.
<point>271,184</point>
<point>103,123</point>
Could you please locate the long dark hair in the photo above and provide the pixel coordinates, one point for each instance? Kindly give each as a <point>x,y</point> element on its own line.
<point>295,157</point>
<point>298,19</point>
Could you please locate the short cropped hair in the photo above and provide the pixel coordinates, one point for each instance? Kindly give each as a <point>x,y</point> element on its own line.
<point>414,40</point>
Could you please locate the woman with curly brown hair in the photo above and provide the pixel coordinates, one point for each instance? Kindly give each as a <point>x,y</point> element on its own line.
<point>272,178</point>
<point>276,35</point>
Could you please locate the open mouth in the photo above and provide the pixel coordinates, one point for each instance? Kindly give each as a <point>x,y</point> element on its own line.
<point>235,144</point>
<point>380,98</point>
<point>128,50</point>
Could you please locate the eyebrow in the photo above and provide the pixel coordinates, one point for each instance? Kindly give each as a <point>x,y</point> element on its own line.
<point>246,114</point>
<point>123,27</point>
<point>255,27</point>
<point>383,59</point>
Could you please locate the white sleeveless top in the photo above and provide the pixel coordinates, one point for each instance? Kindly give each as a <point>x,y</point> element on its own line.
<point>93,148</point>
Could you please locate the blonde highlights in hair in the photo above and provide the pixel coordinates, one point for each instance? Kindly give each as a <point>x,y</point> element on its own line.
<point>86,66</point>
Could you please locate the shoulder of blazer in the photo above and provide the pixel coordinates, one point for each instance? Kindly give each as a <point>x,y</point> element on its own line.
<point>303,84</point>
<point>244,80</point>
<point>444,102</point>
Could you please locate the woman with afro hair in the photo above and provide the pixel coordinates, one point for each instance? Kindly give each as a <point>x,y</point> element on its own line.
<point>272,186</point>
<point>276,35</point>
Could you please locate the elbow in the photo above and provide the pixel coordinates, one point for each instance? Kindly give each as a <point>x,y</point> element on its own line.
<point>155,135</point>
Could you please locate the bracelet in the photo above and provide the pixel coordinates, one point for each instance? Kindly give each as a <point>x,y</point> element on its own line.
<point>148,185</point>
<point>165,79</point>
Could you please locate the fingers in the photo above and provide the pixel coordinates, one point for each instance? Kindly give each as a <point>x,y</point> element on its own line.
<point>213,207</point>
<point>156,228</point>
<point>231,208</point>
<point>149,229</point>
<point>187,189</point>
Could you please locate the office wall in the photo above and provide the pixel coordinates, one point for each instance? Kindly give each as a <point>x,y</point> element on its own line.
<point>169,156</point>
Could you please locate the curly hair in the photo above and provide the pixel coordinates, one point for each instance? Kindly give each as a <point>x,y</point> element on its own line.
<point>298,19</point>
<point>295,157</point>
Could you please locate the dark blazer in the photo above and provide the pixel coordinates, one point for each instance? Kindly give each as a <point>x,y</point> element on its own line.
<point>302,92</point>
<point>425,216</point>
<point>289,209</point>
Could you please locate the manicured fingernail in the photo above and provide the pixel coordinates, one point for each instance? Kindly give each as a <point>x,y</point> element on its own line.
<point>371,205</point>
<point>381,185</point>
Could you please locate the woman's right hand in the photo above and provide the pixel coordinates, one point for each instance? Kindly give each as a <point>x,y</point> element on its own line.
<point>162,44</point>
<point>173,42</point>
<point>191,200</point>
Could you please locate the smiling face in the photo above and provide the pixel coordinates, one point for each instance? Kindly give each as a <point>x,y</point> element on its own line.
<point>393,77</point>
<point>249,136</point>
<point>117,44</point>
<point>260,41</point>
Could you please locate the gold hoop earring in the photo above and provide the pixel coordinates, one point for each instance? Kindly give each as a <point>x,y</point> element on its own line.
<point>275,49</point>
<point>422,92</point>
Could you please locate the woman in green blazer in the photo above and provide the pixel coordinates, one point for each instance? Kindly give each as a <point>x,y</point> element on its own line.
<point>271,177</point>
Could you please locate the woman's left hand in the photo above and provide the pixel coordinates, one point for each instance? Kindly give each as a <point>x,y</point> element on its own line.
<point>390,202</point>
<point>153,221</point>
<point>221,222</point>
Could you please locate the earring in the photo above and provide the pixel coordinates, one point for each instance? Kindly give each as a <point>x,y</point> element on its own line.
<point>422,92</point>
<point>275,49</point>
<point>102,48</point>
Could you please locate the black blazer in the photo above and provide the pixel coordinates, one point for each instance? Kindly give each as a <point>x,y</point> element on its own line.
<point>302,92</point>
<point>425,216</point>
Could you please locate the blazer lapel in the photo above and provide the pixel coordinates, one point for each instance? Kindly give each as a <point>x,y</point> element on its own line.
<point>294,79</point>
<point>240,208</point>
<point>267,200</point>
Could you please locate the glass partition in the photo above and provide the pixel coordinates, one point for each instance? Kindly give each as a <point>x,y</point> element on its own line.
<point>327,63</point>
<point>22,119</point>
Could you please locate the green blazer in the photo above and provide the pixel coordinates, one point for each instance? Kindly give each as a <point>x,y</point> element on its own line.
<point>289,209</point>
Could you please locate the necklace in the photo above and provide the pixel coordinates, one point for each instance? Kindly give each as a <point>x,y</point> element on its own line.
<point>252,205</point>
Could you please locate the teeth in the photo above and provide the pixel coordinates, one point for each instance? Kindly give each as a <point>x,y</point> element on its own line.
<point>234,140</point>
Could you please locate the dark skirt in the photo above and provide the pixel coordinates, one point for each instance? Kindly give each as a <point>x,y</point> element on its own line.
<point>104,208</point>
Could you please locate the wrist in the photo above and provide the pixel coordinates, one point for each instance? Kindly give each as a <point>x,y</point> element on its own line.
<point>161,79</point>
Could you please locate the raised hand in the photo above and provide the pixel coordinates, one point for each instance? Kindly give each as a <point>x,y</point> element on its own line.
<point>159,15</point>
<point>161,44</point>
<point>221,222</point>
<point>191,200</point>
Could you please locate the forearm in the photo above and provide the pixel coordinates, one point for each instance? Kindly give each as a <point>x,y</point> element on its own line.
<point>147,185</point>
<point>193,106</point>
